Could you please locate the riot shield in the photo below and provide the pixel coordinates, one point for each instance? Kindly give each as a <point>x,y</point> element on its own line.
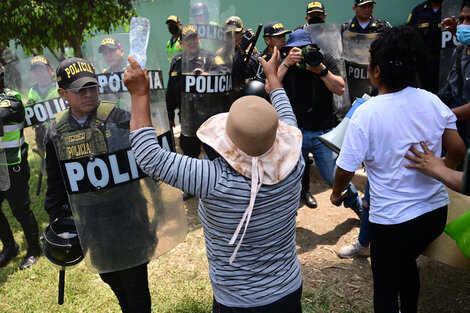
<point>123,217</point>
<point>449,42</point>
<point>327,36</point>
<point>34,79</point>
<point>206,74</point>
<point>356,58</point>
<point>204,12</point>
<point>4,176</point>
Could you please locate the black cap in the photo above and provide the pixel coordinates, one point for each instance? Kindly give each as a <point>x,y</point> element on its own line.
<point>362,2</point>
<point>38,61</point>
<point>275,29</point>
<point>74,73</point>
<point>110,43</point>
<point>315,6</point>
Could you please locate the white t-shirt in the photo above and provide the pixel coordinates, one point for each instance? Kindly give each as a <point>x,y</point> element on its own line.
<point>379,134</point>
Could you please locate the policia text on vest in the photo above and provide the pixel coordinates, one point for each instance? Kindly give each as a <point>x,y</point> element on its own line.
<point>47,110</point>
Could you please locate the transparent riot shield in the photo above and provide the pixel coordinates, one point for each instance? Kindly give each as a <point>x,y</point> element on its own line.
<point>356,58</point>
<point>206,75</point>
<point>4,176</point>
<point>123,217</point>
<point>34,79</point>
<point>327,36</point>
<point>449,42</point>
<point>204,12</point>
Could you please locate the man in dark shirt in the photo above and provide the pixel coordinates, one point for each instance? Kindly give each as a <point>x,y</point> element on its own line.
<point>364,22</point>
<point>426,17</point>
<point>310,90</point>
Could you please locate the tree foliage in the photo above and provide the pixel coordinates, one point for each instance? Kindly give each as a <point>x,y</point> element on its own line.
<point>38,24</point>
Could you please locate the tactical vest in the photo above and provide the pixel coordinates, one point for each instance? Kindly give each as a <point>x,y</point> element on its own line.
<point>13,137</point>
<point>75,144</point>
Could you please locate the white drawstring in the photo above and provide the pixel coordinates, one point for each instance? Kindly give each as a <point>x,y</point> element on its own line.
<point>257,173</point>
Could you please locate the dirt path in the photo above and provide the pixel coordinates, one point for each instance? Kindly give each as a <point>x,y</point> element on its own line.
<point>321,232</point>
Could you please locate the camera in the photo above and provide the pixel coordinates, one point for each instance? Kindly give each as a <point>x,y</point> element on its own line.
<point>311,55</point>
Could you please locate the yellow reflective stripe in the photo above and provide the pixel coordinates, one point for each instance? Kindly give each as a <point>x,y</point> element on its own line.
<point>12,128</point>
<point>422,25</point>
<point>14,143</point>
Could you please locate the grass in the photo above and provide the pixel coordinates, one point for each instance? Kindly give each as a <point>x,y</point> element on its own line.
<point>178,280</point>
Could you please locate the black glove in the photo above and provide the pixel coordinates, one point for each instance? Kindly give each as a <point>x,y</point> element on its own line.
<point>247,38</point>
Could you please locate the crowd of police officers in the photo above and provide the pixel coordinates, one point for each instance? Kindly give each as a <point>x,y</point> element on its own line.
<point>210,66</point>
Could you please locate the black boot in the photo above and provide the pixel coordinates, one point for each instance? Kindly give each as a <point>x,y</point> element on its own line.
<point>306,194</point>
<point>30,228</point>
<point>309,199</point>
<point>8,253</point>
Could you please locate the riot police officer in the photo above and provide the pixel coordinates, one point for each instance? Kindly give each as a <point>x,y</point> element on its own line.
<point>198,61</point>
<point>12,115</point>
<point>426,17</point>
<point>112,215</point>
<point>364,22</point>
<point>113,55</point>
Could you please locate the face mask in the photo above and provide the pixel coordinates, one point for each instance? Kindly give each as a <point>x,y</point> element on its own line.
<point>315,20</point>
<point>463,34</point>
<point>173,29</point>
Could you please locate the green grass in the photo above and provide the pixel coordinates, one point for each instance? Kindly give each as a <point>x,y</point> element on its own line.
<point>179,280</point>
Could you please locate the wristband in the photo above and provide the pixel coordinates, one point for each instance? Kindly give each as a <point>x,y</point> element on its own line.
<point>285,65</point>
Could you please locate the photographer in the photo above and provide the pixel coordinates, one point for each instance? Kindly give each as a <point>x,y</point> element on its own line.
<point>310,88</point>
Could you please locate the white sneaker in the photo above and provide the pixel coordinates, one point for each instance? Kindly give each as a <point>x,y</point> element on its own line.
<point>354,250</point>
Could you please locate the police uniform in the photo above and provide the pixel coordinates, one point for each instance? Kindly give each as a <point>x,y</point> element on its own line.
<point>203,61</point>
<point>428,24</point>
<point>130,285</point>
<point>12,114</point>
<point>105,131</point>
<point>376,25</point>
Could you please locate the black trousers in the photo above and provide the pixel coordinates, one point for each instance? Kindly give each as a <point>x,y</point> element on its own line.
<point>288,304</point>
<point>18,199</point>
<point>131,288</point>
<point>191,147</point>
<point>394,250</point>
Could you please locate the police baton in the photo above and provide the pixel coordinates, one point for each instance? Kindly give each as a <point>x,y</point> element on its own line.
<point>252,47</point>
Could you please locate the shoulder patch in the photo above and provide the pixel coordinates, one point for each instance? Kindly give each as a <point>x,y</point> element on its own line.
<point>174,74</point>
<point>5,103</point>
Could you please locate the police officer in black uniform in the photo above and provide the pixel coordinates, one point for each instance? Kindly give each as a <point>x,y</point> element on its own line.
<point>12,115</point>
<point>199,62</point>
<point>364,22</point>
<point>87,129</point>
<point>426,17</point>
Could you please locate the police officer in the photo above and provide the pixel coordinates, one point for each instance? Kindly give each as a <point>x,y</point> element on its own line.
<point>113,55</point>
<point>364,22</point>
<point>43,88</point>
<point>199,14</point>
<point>87,129</point>
<point>199,61</point>
<point>426,17</point>
<point>316,13</point>
<point>12,115</point>
<point>174,27</point>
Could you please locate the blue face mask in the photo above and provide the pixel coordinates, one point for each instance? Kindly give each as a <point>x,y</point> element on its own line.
<point>463,34</point>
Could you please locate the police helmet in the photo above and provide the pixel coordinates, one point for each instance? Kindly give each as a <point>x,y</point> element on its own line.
<point>199,8</point>
<point>60,242</point>
<point>255,87</point>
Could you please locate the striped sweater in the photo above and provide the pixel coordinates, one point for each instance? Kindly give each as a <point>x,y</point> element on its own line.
<point>266,267</point>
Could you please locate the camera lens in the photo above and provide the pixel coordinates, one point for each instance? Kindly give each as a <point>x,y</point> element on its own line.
<point>313,57</point>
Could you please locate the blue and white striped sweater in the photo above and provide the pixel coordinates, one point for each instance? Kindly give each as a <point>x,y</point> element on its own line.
<point>266,268</point>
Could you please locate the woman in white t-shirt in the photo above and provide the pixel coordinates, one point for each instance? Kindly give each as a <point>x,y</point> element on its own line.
<point>408,209</point>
